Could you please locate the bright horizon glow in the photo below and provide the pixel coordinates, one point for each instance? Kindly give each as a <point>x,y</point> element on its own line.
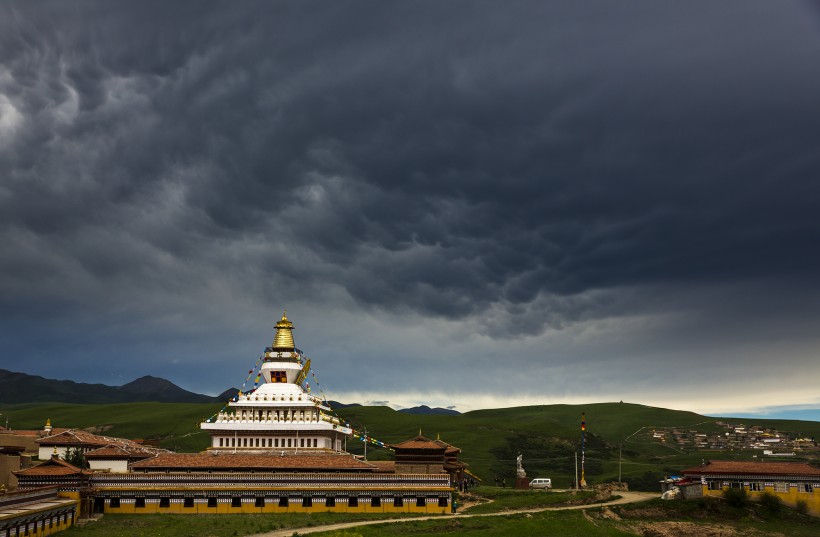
<point>736,407</point>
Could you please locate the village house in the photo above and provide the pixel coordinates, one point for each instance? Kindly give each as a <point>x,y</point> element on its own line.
<point>789,481</point>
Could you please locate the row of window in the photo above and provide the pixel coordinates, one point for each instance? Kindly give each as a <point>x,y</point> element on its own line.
<point>30,528</point>
<point>758,486</point>
<point>306,501</point>
<point>270,415</point>
<point>268,442</point>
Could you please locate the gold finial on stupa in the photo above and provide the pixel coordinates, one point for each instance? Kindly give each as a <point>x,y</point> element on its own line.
<point>283,340</point>
<point>48,422</point>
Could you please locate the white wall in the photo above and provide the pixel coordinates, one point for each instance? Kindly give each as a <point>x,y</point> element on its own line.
<point>46,452</point>
<point>118,466</point>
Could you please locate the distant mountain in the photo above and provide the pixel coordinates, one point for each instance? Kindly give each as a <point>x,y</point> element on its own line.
<point>336,404</point>
<point>150,388</point>
<point>24,388</point>
<point>228,394</point>
<point>424,409</point>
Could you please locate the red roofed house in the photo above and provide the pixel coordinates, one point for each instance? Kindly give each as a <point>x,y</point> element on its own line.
<point>118,458</point>
<point>85,441</point>
<point>790,481</point>
<point>55,472</point>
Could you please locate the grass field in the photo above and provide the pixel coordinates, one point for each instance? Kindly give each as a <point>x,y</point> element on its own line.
<point>209,525</point>
<point>547,436</point>
<point>558,524</point>
<point>499,500</point>
<point>709,518</point>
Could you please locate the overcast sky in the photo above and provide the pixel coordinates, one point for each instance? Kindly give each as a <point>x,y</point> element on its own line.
<point>458,203</point>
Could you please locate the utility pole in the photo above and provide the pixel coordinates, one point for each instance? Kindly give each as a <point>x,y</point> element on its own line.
<point>575,484</point>
<point>619,463</point>
<point>365,443</point>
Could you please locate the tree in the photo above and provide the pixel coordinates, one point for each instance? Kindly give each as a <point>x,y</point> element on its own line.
<point>75,456</point>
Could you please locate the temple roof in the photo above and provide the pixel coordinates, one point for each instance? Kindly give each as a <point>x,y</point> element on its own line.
<point>53,466</point>
<point>83,438</point>
<point>419,442</point>
<point>754,468</point>
<point>283,339</point>
<point>203,461</point>
<point>450,449</point>
<point>102,447</point>
<point>119,452</point>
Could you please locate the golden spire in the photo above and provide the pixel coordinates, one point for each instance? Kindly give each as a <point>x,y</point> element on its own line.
<point>283,340</point>
<point>48,422</point>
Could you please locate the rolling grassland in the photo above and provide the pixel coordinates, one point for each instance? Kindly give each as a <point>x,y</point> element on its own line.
<point>548,436</point>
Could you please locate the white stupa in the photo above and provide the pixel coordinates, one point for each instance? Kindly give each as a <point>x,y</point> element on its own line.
<point>279,416</point>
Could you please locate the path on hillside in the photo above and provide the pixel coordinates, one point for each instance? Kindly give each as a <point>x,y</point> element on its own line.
<point>626,497</point>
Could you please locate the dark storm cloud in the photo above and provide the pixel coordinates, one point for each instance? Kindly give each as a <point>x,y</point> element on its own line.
<point>527,165</point>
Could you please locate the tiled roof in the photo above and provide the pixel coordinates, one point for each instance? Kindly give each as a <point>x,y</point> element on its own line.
<point>754,468</point>
<point>385,466</point>
<point>450,449</point>
<point>119,452</point>
<point>185,461</point>
<point>419,442</point>
<point>32,433</point>
<point>53,466</point>
<point>76,438</point>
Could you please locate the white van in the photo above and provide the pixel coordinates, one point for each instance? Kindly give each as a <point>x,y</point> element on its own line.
<point>541,483</point>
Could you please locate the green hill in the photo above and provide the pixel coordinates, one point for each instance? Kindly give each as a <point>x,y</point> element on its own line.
<point>547,436</point>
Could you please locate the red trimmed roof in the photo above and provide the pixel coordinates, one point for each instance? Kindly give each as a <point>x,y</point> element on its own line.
<point>82,438</point>
<point>451,449</point>
<point>119,452</point>
<point>754,468</point>
<point>53,466</point>
<point>201,461</point>
<point>419,442</point>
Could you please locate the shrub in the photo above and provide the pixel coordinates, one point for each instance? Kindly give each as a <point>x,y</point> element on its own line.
<point>736,497</point>
<point>802,507</point>
<point>771,502</point>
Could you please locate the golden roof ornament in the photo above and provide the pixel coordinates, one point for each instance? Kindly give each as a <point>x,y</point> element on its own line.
<point>283,340</point>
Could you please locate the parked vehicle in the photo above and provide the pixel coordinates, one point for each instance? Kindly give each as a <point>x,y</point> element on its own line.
<point>541,483</point>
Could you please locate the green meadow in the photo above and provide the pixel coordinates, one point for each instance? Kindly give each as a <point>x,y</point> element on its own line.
<point>708,517</point>
<point>548,436</point>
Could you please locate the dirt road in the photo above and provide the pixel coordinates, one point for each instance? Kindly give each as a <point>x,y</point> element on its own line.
<point>626,497</point>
